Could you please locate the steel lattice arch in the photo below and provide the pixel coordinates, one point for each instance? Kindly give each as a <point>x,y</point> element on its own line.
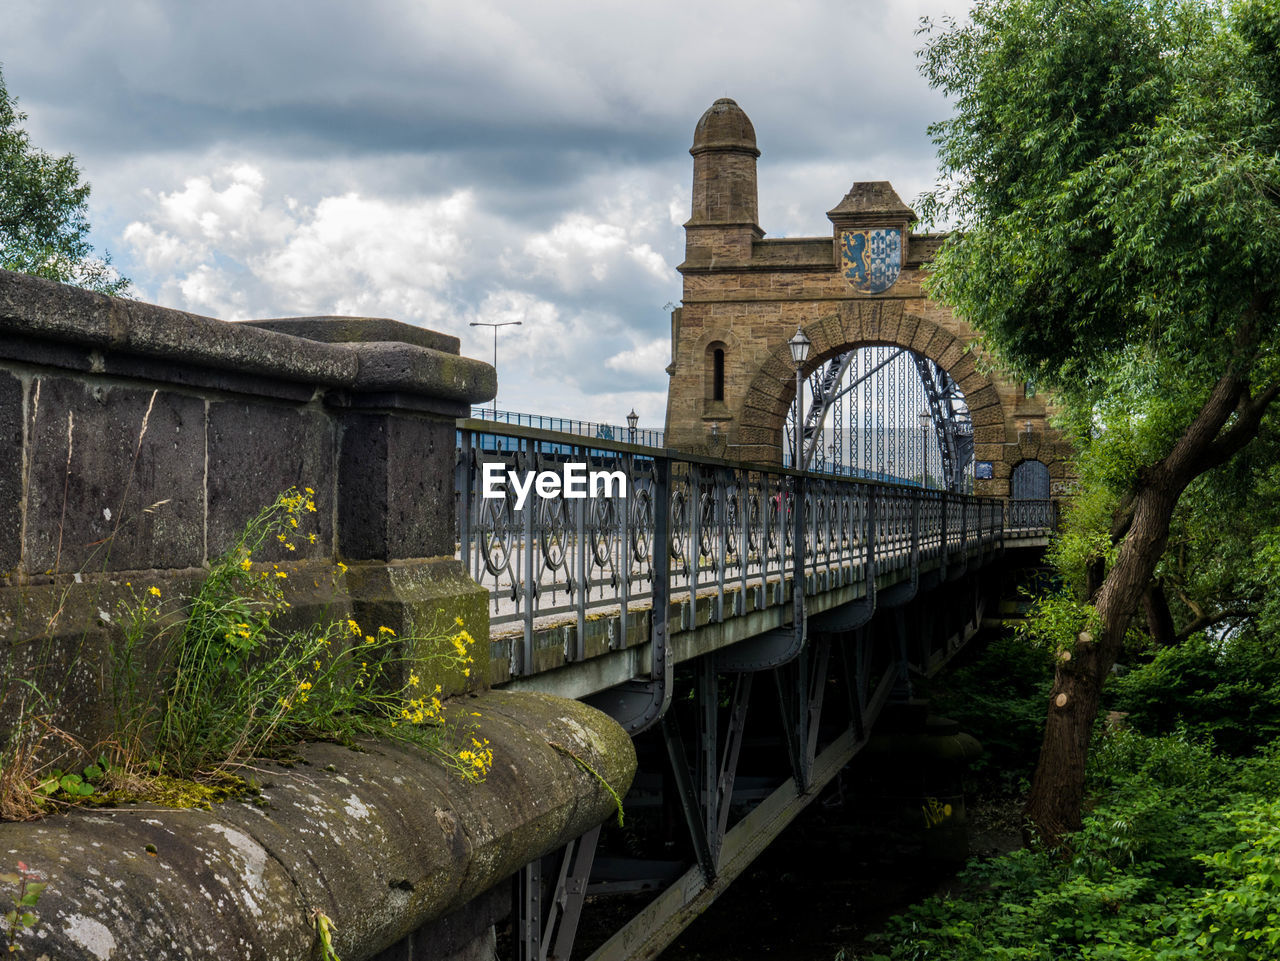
<point>886,413</point>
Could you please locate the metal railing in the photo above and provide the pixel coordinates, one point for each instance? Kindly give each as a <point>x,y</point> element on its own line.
<point>644,436</point>
<point>1030,517</point>
<point>688,527</point>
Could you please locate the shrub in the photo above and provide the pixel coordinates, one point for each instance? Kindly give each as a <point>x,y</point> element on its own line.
<point>1226,690</point>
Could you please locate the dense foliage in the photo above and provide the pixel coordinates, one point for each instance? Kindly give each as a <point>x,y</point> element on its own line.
<point>1178,859</point>
<point>1227,692</point>
<point>1114,167</point>
<point>44,211</point>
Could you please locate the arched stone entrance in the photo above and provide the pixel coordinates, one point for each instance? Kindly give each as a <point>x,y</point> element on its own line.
<point>732,379</point>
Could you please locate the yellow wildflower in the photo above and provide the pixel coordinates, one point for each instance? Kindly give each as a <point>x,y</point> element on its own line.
<point>414,680</point>
<point>386,630</point>
<point>246,564</point>
<point>154,591</point>
<point>355,628</point>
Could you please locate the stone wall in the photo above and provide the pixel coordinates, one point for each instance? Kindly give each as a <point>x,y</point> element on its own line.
<point>138,440</point>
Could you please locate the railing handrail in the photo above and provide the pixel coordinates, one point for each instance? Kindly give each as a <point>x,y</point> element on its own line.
<point>730,527</point>
<point>583,428</point>
<point>478,426</point>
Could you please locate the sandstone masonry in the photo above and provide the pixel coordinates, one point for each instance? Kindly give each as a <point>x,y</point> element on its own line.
<point>745,296</point>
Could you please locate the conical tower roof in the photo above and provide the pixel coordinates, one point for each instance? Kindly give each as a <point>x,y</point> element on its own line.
<point>874,197</point>
<point>724,127</point>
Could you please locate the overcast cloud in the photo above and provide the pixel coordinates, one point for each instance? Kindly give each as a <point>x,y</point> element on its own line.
<point>441,163</point>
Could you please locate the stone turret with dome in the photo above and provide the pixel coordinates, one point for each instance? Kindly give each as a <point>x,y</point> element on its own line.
<point>724,216</point>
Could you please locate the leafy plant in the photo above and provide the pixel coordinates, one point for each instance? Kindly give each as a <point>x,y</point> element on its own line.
<point>21,916</point>
<point>1178,859</point>
<point>72,786</point>
<point>244,682</point>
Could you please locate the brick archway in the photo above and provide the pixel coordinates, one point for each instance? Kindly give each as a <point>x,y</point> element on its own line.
<point>771,392</point>
<point>750,294</point>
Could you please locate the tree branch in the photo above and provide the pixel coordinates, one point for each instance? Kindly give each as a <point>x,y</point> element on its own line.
<point>1206,621</point>
<point>1249,413</point>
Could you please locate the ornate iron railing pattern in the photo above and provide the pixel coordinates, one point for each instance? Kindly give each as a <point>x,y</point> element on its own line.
<point>729,530</point>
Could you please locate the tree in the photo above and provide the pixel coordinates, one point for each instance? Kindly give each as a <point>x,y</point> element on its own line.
<point>43,211</point>
<point>1113,168</point>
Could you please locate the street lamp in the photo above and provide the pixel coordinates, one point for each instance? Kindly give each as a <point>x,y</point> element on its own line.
<point>632,419</point>
<point>799,345</point>
<point>495,326</point>
<point>926,422</point>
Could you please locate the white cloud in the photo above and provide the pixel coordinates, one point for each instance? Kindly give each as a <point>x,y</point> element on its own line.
<point>228,246</point>
<point>439,162</point>
<point>581,250</point>
<point>642,360</point>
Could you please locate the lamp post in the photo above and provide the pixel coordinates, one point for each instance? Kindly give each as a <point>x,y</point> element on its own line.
<point>495,326</point>
<point>926,421</point>
<point>632,419</point>
<point>799,345</point>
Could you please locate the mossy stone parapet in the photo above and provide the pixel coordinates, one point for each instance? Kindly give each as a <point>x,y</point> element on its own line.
<point>351,330</point>
<point>138,440</point>
<point>43,310</point>
<point>426,599</point>
<point>383,840</point>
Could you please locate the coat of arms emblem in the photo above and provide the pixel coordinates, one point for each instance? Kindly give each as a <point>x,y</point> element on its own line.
<point>871,259</point>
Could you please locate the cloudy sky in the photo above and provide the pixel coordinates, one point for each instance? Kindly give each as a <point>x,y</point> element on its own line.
<point>442,163</point>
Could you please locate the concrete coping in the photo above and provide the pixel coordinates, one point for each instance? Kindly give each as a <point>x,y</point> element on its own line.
<point>382,839</point>
<point>417,363</point>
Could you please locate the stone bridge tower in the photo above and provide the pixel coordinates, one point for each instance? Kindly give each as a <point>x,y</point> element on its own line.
<point>732,380</point>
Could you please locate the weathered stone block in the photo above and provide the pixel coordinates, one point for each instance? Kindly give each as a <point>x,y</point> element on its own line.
<point>11,506</point>
<point>987,416</point>
<point>985,396</point>
<point>425,599</point>
<point>256,451</point>
<point>755,417</point>
<point>760,435</point>
<point>993,434</point>
<point>949,355</point>
<point>395,487</point>
<point>116,478</point>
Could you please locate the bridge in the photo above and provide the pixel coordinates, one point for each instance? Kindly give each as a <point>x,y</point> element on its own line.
<point>734,626</point>
<point>833,591</point>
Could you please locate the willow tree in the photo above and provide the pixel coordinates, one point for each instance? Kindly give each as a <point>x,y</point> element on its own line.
<point>1112,168</point>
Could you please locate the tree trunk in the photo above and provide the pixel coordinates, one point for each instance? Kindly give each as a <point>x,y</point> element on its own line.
<point>1057,790</point>
<point>1159,618</point>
